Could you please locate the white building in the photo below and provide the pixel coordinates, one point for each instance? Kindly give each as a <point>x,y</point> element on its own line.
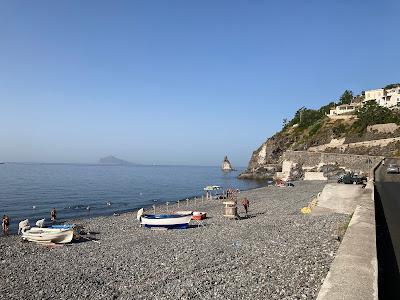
<point>377,95</point>
<point>344,109</point>
<point>389,98</point>
<point>393,97</point>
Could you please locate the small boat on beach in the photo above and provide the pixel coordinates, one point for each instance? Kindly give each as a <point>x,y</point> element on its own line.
<point>199,215</point>
<point>168,221</point>
<point>196,215</point>
<point>282,183</point>
<point>214,192</point>
<point>48,235</point>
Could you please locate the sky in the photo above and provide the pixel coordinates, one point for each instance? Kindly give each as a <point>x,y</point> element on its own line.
<point>179,82</point>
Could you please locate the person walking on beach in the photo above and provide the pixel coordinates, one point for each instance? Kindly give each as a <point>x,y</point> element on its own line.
<point>246,203</point>
<point>53,214</point>
<point>5,224</point>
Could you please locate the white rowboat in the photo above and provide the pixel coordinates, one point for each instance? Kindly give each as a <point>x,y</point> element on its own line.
<point>48,235</point>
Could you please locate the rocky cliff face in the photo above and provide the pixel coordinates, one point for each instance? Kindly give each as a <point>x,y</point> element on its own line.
<point>268,158</point>
<point>270,151</point>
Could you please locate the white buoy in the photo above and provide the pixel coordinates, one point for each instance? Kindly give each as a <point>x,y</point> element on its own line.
<point>34,207</point>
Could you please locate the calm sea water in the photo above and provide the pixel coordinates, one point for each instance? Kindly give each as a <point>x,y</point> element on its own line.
<point>71,188</point>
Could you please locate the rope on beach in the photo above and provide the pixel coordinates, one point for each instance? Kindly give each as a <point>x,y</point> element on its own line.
<point>310,206</point>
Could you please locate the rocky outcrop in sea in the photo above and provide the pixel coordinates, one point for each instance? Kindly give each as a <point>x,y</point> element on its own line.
<point>226,165</point>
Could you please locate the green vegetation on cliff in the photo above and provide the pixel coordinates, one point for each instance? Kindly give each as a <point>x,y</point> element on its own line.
<point>312,127</point>
<point>372,113</point>
<point>310,123</point>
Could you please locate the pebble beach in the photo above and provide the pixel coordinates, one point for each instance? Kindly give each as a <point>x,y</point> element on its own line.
<point>275,253</point>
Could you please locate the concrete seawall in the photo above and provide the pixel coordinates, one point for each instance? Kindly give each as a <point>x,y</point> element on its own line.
<point>354,271</point>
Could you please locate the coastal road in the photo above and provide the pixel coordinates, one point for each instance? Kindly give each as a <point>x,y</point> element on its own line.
<point>387,203</point>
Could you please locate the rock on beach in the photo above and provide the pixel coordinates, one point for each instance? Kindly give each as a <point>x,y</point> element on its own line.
<point>275,253</point>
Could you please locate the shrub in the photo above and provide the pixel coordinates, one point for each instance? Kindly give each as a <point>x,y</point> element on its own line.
<point>338,129</point>
<point>313,129</point>
<point>372,113</point>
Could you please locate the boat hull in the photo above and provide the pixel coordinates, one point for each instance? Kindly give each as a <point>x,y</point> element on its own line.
<point>199,215</point>
<point>166,221</point>
<point>48,235</point>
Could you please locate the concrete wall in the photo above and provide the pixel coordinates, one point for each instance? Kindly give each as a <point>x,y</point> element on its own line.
<point>353,274</point>
<point>333,143</point>
<point>341,117</point>
<point>314,176</point>
<point>373,143</point>
<point>339,143</point>
<point>383,128</point>
<point>357,163</point>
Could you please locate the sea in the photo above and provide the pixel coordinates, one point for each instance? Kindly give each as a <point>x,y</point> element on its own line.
<point>31,190</point>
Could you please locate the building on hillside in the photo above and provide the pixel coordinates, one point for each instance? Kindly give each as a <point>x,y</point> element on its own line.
<point>377,95</point>
<point>389,98</point>
<point>393,97</point>
<point>344,109</point>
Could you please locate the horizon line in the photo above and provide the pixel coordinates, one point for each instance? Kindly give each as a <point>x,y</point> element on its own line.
<point>111,165</point>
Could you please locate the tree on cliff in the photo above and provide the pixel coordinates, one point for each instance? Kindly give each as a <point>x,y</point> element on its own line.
<point>372,113</point>
<point>346,97</point>
<point>391,86</point>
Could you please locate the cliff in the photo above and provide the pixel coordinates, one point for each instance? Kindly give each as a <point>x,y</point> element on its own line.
<point>372,130</point>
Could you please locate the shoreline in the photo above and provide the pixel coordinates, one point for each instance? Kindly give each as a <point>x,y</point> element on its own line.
<point>275,253</point>
<point>14,225</point>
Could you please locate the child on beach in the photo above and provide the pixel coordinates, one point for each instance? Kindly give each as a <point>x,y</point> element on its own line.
<point>5,224</point>
<point>246,203</point>
<point>53,215</point>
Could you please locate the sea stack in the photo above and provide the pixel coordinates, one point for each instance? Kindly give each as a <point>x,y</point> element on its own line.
<point>226,165</point>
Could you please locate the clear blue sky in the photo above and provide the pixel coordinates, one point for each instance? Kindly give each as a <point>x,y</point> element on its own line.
<point>179,82</point>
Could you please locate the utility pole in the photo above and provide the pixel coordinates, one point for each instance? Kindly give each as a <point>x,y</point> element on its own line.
<point>301,115</point>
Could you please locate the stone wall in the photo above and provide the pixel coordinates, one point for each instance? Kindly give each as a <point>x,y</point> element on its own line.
<point>314,176</point>
<point>331,144</point>
<point>309,160</point>
<point>340,145</point>
<point>342,117</point>
<point>383,128</point>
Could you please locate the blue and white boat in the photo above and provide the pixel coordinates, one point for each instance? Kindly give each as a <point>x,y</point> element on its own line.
<point>169,221</point>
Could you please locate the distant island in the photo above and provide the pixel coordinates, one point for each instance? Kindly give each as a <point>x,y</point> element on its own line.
<point>112,160</point>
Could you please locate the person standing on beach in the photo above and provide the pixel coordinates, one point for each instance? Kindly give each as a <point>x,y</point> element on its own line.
<point>5,224</point>
<point>53,214</point>
<point>246,203</point>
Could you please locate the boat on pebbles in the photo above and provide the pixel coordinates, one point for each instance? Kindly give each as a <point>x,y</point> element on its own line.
<point>164,221</point>
<point>48,235</point>
<point>196,215</point>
